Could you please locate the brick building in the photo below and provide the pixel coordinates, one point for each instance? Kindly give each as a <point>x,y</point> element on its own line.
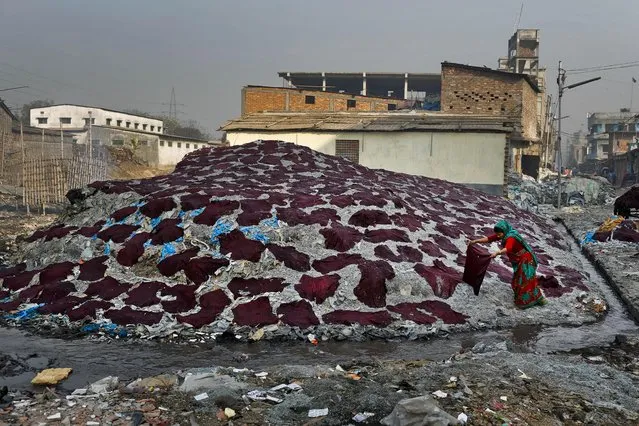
<point>470,90</point>
<point>256,99</point>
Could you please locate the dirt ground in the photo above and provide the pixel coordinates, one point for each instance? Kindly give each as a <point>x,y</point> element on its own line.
<point>489,384</point>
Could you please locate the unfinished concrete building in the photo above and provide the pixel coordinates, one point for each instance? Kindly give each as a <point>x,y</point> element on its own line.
<point>422,88</point>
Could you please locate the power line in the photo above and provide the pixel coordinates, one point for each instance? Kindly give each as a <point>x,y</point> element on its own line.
<point>604,66</point>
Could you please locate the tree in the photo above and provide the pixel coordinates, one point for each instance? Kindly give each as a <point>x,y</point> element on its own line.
<point>26,109</point>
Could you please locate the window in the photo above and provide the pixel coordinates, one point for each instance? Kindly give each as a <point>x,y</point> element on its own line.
<point>119,123</point>
<point>351,103</point>
<point>188,146</point>
<point>108,121</point>
<point>392,107</point>
<point>65,120</point>
<point>128,124</point>
<point>170,144</point>
<point>159,129</point>
<point>86,121</point>
<point>194,146</point>
<point>117,142</point>
<point>42,120</point>
<point>348,149</point>
<point>604,148</point>
<point>152,128</point>
<point>144,143</point>
<point>309,100</point>
<point>144,127</point>
<point>179,144</point>
<point>136,125</point>
<point>161,143</point>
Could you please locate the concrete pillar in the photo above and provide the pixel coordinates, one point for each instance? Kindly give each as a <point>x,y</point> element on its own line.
<point>405,86</point>
<point>288,74</point>
<point>363,84</point>
<point>323,82</point>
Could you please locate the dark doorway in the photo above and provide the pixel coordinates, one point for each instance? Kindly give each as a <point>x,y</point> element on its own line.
<point>530,165</point>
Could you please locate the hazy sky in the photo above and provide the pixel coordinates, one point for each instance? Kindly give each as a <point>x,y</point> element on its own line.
<point>126,54</point>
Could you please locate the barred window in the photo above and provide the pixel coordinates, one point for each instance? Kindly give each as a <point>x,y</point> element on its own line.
<point>348,149</point>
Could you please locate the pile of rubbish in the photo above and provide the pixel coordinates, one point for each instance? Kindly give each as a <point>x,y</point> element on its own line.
<point>272,239</point>
<point>628,203</point>
<point>615,228</point>
<point>527,193</point>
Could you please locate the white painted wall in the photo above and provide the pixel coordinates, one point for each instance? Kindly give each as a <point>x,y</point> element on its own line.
<point>79,113</point>
<point>171,152</point>
<point>464,157</point>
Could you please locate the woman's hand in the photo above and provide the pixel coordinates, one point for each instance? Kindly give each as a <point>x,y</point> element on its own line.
<point>495,254</point>
<point>471,242</point>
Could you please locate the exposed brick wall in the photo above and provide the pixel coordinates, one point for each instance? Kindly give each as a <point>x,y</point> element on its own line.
<point>275,99</point>
<point>252,100</point>
<point>473,92</point>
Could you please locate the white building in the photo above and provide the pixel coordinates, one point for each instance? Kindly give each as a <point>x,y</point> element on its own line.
<point>470,150</point>
<point>69,117</point>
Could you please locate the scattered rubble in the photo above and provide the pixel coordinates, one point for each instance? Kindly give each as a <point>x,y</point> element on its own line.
<point>273,240</point>
<point>488,388</point>
<point>528,194</point>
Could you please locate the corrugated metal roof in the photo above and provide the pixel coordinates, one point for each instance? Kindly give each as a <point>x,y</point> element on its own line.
<point>368,122</point>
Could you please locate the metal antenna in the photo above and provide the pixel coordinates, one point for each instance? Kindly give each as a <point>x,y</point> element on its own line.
<point>521,10</point>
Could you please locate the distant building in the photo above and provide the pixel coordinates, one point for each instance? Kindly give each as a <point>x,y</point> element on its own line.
<point>611,133</point>
<point>152,148</point>
<point>438,145</point>
<point>70,117</point>
<point>257,99</point>
<point>523,58</point>
<point>6,119</point>
<point>424,88</point>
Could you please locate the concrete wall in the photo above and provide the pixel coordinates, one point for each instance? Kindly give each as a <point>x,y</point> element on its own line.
<point>275,99</point>
<point>171,151</point>
<point>474,159</point>
<point>100,116</point>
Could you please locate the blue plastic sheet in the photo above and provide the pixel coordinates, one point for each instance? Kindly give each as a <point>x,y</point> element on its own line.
<point>589,238</point>
<point>254,233</point>
<point>155,222</point>
<point>167,250</point>
<point>221,227</point>
<point>107,248</point>
<point>196,212</point>
<point>25,313</point>
<point>111,329</point>
<point>271,222</point>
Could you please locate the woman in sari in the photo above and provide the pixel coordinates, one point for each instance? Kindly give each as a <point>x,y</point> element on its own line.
<point>524,263</point>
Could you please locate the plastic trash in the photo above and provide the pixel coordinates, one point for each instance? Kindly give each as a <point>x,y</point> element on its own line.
<point>229,412</point>
<point>257,395</point>
<point>262,374</point>
<point>523,375</point>
<point>201,396</point>
<point>26,313</point>
<point>56,416</point>
<point>318,412</point>
<point>312,338</point>
<point>440,394</point>
<point>462,418</point>
<point>360,417</point>
<point>504,398</point>
<point>104,385</point>
<point>167,250</point>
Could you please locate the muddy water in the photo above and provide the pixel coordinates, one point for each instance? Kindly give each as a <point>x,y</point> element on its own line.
<point>92,360</point>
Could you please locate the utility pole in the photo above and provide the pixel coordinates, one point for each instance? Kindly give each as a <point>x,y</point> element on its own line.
<point>90,138</point>
<point>561,80</point>
<point>61,142</point>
